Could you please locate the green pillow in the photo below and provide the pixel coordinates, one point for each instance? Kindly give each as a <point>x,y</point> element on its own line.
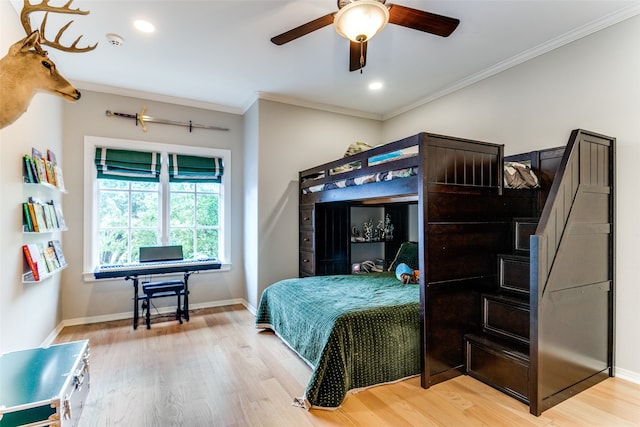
<point>408,254</point>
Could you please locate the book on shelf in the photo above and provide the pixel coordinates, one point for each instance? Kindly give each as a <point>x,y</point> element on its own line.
<point>28,170</point>
<point>48,217</point>
<point>59,177</point>
<point>40,221</point>
<point>27,224</point>
<point>31,263</point>
<point>57,248</point>
<point>39,216</point>
<point>57,209</point>
<point>51,173</point>
<point>41,171</point>
<point>51,156</point>
<point>51,259</point>
<point>36,254</point>
<point>34,219</point>
<point>52,214</point>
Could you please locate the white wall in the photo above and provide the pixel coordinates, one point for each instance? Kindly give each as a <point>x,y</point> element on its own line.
<point>251,210</point>
<point>292,139</point>
<point>28,312</point>
<point>594,84</point>
<point>112,298</point>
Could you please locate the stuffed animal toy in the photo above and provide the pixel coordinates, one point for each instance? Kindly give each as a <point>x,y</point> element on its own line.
<point>405,274</point>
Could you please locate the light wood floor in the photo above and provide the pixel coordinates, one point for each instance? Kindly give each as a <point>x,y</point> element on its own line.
<point>218,370</point>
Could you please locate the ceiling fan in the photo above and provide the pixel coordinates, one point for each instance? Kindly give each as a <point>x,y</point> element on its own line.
<point>359,20</point>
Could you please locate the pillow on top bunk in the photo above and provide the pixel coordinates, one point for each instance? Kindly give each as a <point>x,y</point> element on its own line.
<point>519,176</point>
<point>357,147</point>
<point>407,254</point>
<point>354,148</point>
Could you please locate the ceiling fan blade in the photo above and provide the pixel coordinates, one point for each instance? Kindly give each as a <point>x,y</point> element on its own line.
<point>303,29</point>
<point>354,55</point>
<point>422,21</point>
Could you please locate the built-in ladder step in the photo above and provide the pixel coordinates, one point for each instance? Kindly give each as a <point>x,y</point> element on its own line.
<point>502,365</point>
<point>523,229</point>
<point>513,274</point>
<point>499,354</point>
<point>505,317</point>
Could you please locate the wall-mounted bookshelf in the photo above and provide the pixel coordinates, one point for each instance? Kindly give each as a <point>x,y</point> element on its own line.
<point>42,217</point>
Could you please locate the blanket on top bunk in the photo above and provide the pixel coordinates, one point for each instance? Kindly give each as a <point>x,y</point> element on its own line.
<point>363,179</point>
<point>355,331</point>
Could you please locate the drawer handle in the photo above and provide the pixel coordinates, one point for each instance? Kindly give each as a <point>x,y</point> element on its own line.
<point>306,218</point>
<point>306,239</point>
<point>78,379</point>
<point>305,260</point>
<point>66,409</point>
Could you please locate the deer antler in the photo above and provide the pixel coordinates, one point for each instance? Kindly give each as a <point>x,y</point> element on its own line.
<point>45,7</point>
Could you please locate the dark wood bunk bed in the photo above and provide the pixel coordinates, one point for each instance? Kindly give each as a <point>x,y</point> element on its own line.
<point>478,313</point>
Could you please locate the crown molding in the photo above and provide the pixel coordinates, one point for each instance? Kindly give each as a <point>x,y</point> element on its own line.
<point>317,106</point>
<point>112,90</point>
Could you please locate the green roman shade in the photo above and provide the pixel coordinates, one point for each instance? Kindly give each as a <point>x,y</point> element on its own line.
<point>195,168</point>
<point>127,165</point>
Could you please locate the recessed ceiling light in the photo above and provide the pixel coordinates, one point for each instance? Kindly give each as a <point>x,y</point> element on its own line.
<point>144,26</point>
<point>375,86</point>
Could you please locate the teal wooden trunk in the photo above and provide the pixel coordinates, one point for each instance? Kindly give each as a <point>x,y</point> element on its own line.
<point>44,386</point>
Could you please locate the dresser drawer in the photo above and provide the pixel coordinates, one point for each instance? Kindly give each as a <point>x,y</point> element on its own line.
<point>306,241</point>
<point>306,218</point>
<point>504,368</point>
<point>307,263</point>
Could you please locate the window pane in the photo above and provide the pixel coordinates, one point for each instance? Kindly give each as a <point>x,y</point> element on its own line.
<point>119,236</point>
<point>142,238</point>
<point>141,185</point>
<point>182,210</point>
<point>114,209</point>
<point>207,242</point>
<point>209,187</point>
<point>113,184</point>
<point>144,209</point>
<point>184,237</point>
<point>182,186</point>
<point>207,210</point>
<point>113,246</point>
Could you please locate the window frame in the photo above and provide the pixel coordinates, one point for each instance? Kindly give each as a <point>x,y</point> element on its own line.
<point>90,228</point>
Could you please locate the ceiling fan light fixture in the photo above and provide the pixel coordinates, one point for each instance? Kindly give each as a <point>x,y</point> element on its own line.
<point>361,20</point>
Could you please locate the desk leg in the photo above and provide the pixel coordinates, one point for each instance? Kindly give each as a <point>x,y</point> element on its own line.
<point>135,302</point>
<point>185,309</point>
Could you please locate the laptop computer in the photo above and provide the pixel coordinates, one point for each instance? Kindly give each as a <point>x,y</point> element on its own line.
<point>160,253</point>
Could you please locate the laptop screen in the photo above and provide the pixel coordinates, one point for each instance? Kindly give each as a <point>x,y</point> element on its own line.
<point>160,253</point>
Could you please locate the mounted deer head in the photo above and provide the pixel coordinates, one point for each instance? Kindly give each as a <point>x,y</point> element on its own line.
<point>26,69</point>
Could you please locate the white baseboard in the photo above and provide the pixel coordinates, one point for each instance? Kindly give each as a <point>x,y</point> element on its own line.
<point>625,374</point>
<point>129,315</point>
<point>52,336</point>
<point>249,307</point>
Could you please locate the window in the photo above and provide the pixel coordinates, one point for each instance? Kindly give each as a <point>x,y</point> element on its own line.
<point>148,194</point>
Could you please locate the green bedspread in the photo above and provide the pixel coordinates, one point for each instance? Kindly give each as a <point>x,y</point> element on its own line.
<point>354,330</point>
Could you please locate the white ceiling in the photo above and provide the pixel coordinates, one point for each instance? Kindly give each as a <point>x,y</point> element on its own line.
<point>218,54</point>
